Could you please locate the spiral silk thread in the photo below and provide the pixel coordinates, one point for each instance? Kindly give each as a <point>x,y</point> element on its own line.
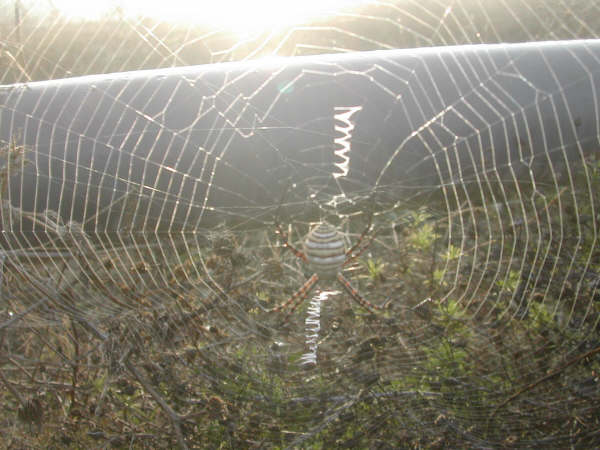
<point>344,126</point>
<point>313,327</point>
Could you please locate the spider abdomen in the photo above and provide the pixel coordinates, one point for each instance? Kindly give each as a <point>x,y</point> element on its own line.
<point>325,250</point>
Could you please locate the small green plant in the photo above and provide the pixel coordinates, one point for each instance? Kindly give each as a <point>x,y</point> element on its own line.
<point>542,317</point>
<point>510,283</point>
<point>438,277</point>
<point>452,253</point>
<point>451,309</point>
<point>423,234</point>
<point>450,315</point>
<point>374,269</point>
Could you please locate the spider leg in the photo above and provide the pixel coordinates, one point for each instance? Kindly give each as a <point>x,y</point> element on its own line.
<point>349,254</point>
<point>357,297</point>
<point>298,296</point>
<point>360,252</point>
<point>287,244</point>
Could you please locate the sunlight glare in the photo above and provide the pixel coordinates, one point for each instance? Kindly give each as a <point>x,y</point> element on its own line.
<point>232,15</point>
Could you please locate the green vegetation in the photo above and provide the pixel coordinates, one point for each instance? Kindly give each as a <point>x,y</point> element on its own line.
<point>175,364</point>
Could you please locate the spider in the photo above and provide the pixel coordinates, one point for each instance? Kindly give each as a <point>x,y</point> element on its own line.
<point>325,253</point>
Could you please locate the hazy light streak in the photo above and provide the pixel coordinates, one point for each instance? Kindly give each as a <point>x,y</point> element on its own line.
<point>233,15</point>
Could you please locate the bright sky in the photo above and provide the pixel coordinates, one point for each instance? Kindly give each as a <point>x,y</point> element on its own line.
<point>236,15</point>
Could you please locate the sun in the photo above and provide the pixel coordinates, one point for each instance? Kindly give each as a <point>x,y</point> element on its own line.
<point>231,15</point>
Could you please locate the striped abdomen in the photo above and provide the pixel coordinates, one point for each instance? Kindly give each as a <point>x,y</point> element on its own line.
<point>325,250</point>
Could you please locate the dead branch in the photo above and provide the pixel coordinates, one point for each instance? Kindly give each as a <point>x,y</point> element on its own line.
<point>543,379</point>
<point>175,418</point>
